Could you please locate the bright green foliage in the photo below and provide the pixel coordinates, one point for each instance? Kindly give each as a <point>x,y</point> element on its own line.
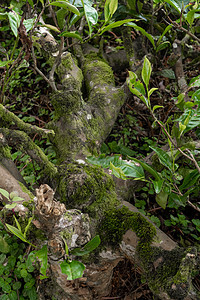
<point>72,268</point>
<point>17,276</point>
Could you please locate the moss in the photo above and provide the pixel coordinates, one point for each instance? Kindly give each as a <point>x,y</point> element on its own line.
<point>25,190</point>
<point>66,101</point>
<point>117,222</point>
<point>97,72</point>
<point>87,188</point>
<point>5,152</point>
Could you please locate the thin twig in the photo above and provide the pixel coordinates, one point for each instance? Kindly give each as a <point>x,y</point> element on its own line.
<point>178,26</point>
<point>194,206</point>
<point>56,62</point>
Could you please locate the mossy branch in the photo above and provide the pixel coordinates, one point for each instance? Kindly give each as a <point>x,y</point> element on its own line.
<point>22,141</point>
<point>10,117</point>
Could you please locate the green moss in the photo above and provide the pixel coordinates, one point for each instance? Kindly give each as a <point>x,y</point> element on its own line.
<point>87,188</point>
<point>117,222</point>
<point>97,72</point>
<point>66,101</point>
<point>25,190</point>
<point>5,152</point>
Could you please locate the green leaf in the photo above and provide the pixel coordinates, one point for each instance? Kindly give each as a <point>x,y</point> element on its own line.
<point>5,193</point>
<point>16,232</point>
<point>90,14</point>
<point>196,222</point>
<point>14,20</point>
<point>71,34</point>
<point>28,225</point>
<point>162,46</point>
<point>149,169</point>
<point>51,27</point>
<point>156,107</point>
<point>196,96</point>
<point>5,63</point>
<point>146,72</point>
<point>42,256</point>
<point>89,247</point>
<point>60,15</point>
<point>164,158</point>
<point>189,180</point>
<point>176,4</point>
<point>66,5</point>
<point>151,91</point>
<point>10,206</point>
<point>137,88</point>
<point>114,25</point>
<point>168,73</point>
<point>113,4</point>
<point>73,269</point>
<point>117,172</point>
<point>29,24</point>
<point>161,199</point>
<point>157,184</point>
<point>194,118</point>
<point>136,27</point>
<point>190,16</point>
<point>163,34</point>
<point>195,82</point>
<point>18,225</point>
<point>4,247</point>
<point>17,199</point>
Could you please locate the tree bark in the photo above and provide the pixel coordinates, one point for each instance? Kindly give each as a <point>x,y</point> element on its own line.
<point>86,105</point>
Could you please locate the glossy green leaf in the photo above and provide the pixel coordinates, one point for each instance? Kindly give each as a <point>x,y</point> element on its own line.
<point>190,16</point>
<point>89,247</point>
<point>151,91</point>
<point>137,88</point>
<point>158,184</point>
<point>43,258</point>
<point>136,27</point>
<point>146,71</point>
<point>194,118</point>
<point>189,180</point>
<point>90,14</point>
<point>107,15</point>
<point>71,35</point>
<point>161,199</point>
<point>114,25</point>
<point>196,96</point>
<point>163,34</point>
<point>14,20</point>
<point>164,158</point>
<point>18,233</point>
<point>73,269</point>
<point>60,16</point>
<point>149,169</point>
<point>175,4</point>
<point>29,23</point>
<point>76,18</point>
<point>66,5</point>
<point>195,82</point>
<point>157,106</point>
<point>113,4</point>
<point>162,46</point>
<point>5,193</point>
